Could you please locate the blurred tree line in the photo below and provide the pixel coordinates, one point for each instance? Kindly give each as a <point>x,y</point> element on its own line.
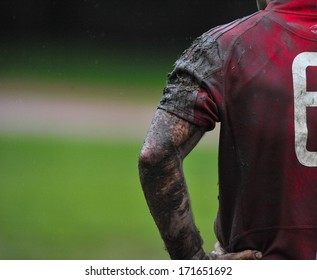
<point>119,22</point>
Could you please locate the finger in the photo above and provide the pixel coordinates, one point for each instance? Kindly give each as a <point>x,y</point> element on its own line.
<point>244,255</point>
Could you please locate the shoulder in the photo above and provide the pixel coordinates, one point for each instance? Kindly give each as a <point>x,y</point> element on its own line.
<point>236,27</point>
<point>208,52</point>
<point>225,36</point>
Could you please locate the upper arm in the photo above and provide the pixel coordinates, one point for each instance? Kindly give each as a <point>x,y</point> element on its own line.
<point>168,137</point>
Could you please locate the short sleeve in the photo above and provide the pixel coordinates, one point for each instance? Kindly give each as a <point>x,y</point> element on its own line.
<point>192,91</point>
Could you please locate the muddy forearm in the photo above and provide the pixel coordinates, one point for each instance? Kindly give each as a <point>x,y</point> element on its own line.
<point>167,143</point>
<point>167,197</point>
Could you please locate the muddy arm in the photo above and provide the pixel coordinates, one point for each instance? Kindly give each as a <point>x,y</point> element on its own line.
<point>167,143</point>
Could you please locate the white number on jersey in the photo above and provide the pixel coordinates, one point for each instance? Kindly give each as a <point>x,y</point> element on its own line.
<point>302,100</point>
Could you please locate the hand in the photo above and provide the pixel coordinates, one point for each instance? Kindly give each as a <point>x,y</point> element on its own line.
<point>220,254</point>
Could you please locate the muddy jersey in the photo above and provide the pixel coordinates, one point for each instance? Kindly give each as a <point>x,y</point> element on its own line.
<point>257,76</point>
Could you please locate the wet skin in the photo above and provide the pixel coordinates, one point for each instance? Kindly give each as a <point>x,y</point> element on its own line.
<point>169,140</point>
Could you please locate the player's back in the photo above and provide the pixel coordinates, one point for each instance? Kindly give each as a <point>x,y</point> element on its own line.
<point>268,142</point>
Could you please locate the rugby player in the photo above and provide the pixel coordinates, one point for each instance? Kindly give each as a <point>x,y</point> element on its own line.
<point>257,77</point>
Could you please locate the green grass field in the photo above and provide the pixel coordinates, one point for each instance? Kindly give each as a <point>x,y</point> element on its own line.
<point>76,199</point>
<point>81,199</point>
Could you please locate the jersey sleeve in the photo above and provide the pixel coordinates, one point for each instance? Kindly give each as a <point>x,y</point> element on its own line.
<point>194,87</point>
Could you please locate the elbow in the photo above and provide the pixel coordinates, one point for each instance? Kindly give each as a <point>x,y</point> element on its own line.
<point>147,168</point>
<point>148,159</point>
<point>158,155</point>
<point>155,162</point>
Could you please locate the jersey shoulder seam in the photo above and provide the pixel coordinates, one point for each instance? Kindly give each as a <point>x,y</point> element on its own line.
<point>222,30</point>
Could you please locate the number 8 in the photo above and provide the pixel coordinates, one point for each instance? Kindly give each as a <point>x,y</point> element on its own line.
<point>302,100</point>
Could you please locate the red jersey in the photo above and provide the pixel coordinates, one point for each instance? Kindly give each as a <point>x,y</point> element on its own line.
<point>257,76</point>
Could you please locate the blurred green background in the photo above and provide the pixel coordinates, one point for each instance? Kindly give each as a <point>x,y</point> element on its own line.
<point>79,83</point>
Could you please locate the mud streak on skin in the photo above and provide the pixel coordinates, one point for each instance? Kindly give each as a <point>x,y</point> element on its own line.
<point>168,141</point>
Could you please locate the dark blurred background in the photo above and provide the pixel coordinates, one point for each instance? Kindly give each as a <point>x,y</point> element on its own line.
<point>79,84</point>
<point>104,42</point>
<point>96,22</point>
